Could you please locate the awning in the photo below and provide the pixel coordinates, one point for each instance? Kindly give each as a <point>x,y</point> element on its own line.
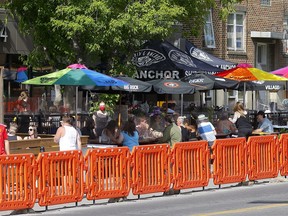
<point>267,35</point>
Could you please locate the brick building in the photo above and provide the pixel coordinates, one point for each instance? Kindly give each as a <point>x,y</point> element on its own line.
<point>256,33</point>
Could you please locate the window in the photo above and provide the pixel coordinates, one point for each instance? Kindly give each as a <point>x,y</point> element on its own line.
<point>235,32</point>
<point>209,32</point>
<point>265,2</point>
<point>232,93</point>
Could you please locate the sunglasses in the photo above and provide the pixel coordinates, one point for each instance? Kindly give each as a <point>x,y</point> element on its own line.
<point>31,129</point>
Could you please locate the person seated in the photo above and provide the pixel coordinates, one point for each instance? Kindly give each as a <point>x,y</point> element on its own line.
<point>12,132</point>
<point>206,130</point>
<point>74,124</point>
<point>225,126</point>
<point>171,133</point>
<point>129,135</point>
<point>264,124</point>
<point>192,128</point>
<point>169,108</point>
<point>32,132</point>
<point>111,133</point>
<point>53,121</point>
<point>89,130</point>
<point>157,126</point>
<point>184,130</point>
<point>142,127</point>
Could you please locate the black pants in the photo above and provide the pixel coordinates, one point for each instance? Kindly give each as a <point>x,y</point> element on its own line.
<point>244,132</point>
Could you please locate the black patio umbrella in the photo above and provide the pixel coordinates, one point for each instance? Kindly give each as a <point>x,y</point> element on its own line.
<point>161,60</point>
<point>203,82</point>
<point>263,86</point>
<point>208,58</point>
<point>134,85</point>
<point>167,86</point>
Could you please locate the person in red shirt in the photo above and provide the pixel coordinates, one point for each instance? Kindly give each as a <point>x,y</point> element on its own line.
<point>23,103</point>
<point>4,143</point>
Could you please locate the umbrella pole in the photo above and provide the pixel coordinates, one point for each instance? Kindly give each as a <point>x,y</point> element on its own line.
<point>225,100</point>
<point>119,114</point>
<point>76,104</point>
<point>201,99</point>
<point>182,98</point>
<point>86,101</point>
<point>253,99</point>
<point>244,94</point>
<point>166,99</point>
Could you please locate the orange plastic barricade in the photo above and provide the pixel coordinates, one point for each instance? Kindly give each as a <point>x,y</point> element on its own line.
<point>262,153</point>
<point>108,173</point>
<point>151,169</point>
<point>229,160</point>
<point>60,177</point>
<point>190,164</point>
<point>18,188</point>
<point>283,156</point>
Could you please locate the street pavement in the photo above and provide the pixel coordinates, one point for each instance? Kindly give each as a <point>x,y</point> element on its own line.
<point>230,199</point>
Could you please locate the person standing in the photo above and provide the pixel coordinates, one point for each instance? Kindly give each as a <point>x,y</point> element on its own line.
<point>67,136</point>
<point>4,143</point>
<point>101,118</point>
<point>206,130</point>
<point>172,133</point>
<point>264,124</point>
<point>23,103</point>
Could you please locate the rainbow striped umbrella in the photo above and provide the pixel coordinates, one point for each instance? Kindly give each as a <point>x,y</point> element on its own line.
<point>76,75</point>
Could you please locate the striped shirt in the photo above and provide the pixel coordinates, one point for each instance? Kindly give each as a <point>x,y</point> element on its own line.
<point>206,131</point>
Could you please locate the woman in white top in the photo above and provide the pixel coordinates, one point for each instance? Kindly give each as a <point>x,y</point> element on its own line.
<point>67,136</point>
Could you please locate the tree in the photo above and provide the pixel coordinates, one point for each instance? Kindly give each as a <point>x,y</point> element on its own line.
<point>71,31</point>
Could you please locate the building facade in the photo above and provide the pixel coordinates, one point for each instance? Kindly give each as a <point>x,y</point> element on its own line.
<point>256,33</point>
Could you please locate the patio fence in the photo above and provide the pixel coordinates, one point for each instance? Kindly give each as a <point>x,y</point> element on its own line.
<point>64,177</point>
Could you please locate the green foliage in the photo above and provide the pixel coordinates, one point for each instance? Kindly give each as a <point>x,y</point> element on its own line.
<point>66,32</point>
<point>228,7</point>
<point>110,101</point>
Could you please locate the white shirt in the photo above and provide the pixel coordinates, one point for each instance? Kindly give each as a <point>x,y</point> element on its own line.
<point>69,140</point>
<point>237,115</point>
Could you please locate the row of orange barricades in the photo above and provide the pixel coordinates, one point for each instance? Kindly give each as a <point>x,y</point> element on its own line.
<point>63,177</point>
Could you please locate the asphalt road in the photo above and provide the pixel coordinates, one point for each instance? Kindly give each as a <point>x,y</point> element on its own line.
<point>263,198</point>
